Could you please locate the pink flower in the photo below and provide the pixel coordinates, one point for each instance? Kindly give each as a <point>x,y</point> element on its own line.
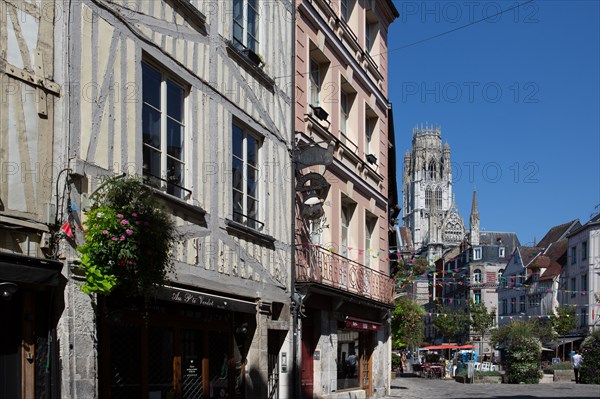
<point>105,232</point>
<point>120,215</point>
<point>129,232</point>
<point>137,222</point>
<point>134,214</point>
<point>122,238</point>
<point>124,221</point>
<point>114,238</point>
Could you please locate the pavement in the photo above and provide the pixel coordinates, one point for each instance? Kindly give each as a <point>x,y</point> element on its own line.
<point>412,387</point>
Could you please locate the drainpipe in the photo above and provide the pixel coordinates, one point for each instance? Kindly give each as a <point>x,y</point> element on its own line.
<point>295,363</point>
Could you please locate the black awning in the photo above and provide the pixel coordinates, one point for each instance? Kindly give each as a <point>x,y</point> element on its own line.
<point>26,269</point>
<point>198,298</point>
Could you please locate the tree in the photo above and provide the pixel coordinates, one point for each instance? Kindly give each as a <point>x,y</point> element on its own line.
<point>563,322</point>
<point>451,322</point>
<point>523,351</point>
<point>590,350</point>
<point>407,323</point>
<point>481,320</point>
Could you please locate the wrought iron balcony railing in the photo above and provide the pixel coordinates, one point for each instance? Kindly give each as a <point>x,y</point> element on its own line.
<point>315,264</point>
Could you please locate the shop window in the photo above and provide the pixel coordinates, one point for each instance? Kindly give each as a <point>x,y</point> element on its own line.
<point>348,359</point>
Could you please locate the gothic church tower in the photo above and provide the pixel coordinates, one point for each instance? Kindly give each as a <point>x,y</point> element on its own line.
<point>428,205</point>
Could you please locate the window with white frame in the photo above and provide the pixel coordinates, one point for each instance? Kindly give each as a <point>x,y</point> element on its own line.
<point>245,24</point>
<point>584,250</point>
<point>346,217</point>
<point>522,304</point>
<point>573,255</point>
<point>501,252</point>
<point>371,30</point>
<point>346,9</point>
<point>573,286</point>
<point>513,305</point>
<point>314,76</point>
<point>370,252</point>
<point>476,253</point>
<point>344,115</point>
<point>370,135</point>
<point>245,177</point>
<point>163,129</point>
<point>477,276</point>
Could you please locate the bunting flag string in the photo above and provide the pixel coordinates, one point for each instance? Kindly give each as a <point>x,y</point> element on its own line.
<point>511,317</point>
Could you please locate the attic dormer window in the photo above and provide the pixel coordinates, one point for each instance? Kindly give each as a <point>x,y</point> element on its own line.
<point>501,252</point>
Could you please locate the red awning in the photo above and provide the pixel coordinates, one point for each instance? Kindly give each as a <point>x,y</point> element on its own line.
<point>443,346</point>
<point>361,324</point>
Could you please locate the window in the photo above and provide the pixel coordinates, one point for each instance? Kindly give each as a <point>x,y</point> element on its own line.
<point>428,198</point>
<point>346,9</point>
<point>371,30</point>
<point>163,130</point>
<point>315,82</point>
<point>477,276</point>
<point>346,218</point>
<point>477,296</point>
<point>348,352</point>
<point>513,305</point>
<point>584,250</point>
<point>371,132</point>
<point>573,286</point>
<point>504,306</point>
<point>245,174</point>
<point>583,320</point>
<point>501,278</point>
<point>573,255</point>
<point>584,282</point>
<point>245,24</point>
<point>522,304</point>
<point>370,223</point>
<point>438,198</point>
<point>315,231</point>
<point>476,253</point>
<point>344,114</point>
<point>501,252</point>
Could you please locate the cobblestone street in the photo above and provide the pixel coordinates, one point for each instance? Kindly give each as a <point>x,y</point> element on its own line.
<point>421,388</point>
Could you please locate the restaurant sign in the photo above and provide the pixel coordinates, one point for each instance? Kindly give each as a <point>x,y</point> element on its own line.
<point>207,300</point>
<point>362,324</point>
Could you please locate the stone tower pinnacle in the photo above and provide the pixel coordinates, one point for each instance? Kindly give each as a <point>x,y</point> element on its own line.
<point>474,221</point>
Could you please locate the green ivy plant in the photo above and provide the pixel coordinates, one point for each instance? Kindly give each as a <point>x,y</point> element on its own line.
<point>128,239</point>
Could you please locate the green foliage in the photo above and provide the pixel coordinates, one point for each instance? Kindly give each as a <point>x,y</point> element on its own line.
<point>481,319</point>
<point>396,361</point>
<point>523,349</point>
<point>451,322</point>
<point>407,323</point>
<point>129,239</point>
<point>564,321</point>
<point>590,350</point>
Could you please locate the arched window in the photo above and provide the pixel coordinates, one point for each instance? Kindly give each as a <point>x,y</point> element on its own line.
<point>477,276</point>
<point>427,197</point>
<point>438,198</point>
<point>431,170</point>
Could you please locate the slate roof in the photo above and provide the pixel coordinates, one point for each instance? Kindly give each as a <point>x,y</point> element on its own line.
<point>528,254</point>
<point>558,232</point>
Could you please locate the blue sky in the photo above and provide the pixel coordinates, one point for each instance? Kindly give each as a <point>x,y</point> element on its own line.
<point>518,100</point>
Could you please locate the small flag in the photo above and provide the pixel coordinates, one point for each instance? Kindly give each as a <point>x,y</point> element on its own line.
<point>66,230</point>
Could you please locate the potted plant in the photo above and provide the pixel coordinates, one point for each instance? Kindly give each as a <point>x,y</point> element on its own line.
<point>128,239</point>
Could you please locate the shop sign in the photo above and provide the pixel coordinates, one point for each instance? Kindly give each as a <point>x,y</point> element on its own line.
<point>207,300</point>
<point>362,324</point>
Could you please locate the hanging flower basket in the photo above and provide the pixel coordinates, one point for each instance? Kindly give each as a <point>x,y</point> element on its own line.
<point>129,239</point>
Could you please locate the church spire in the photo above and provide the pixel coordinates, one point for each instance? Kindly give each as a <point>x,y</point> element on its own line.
<point>474,221</point>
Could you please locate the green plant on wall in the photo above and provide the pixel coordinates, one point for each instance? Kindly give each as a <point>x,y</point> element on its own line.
<point>128,239</point>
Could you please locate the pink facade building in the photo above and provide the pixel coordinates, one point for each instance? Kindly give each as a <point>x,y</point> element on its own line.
<point>342,257</point>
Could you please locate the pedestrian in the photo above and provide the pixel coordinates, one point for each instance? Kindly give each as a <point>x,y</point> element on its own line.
<point>577,360</point>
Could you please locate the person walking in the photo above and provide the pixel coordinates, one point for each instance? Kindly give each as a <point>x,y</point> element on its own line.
<point>577,360</point>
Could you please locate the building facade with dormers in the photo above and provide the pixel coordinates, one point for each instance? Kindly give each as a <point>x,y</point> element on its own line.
<point>342,259</point>
<point>196,97</point>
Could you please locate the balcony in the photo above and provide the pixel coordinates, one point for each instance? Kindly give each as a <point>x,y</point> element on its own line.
<point>315,264</point>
